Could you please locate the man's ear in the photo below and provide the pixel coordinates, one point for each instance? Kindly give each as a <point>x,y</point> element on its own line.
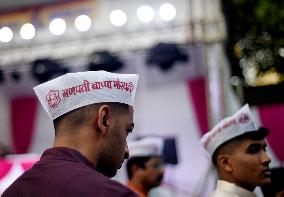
<point>103,117</point>
<point>225,163</point>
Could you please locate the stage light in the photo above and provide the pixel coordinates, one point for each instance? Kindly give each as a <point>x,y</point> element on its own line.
<point>45,69</point>
<point>6,34</point>
<point>167,12</point>
<point>165,55</point>
<point>117,18</point>
<point>57,26</point>
<point>16,76</point>
<point>145,14</point>
<point>83,23</point>
<point>104,60</point>
<point>27,31</point>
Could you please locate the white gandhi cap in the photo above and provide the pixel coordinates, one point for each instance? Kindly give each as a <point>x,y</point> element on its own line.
<point>75,90</point>
<point>146,147</point>
<point>233,126</point>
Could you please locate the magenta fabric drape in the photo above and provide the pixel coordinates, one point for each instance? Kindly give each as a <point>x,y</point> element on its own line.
<point>272,117</point>
<point>28,164</point>
<point>198,96</point>
<point>4,168</point>
<point>23,115</point>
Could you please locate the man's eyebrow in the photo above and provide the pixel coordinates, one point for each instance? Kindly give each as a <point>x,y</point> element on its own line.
<point>256,144</point>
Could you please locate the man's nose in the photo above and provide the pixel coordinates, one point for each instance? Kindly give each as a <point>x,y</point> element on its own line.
<point>266,158</point>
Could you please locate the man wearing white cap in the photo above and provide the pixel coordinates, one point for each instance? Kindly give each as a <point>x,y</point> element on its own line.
<point>145,168</point>
<point>238,151</point>
<point>92,114</point>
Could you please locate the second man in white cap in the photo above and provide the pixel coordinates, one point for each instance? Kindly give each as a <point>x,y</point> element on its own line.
<point>238,150</point>
<point>145,167</point>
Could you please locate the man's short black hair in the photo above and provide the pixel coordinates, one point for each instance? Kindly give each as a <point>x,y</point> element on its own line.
<point>254,135</point>
<point>139,161</point>
<point>77,117</point>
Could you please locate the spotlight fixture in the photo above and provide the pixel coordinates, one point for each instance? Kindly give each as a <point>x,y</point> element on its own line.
<point>27,31</point>
<point>16,76</point>
<point>165,55</point>
<point>145,14</point>
<point>45,69</point>
<point>6,34</point>
<point>117,18</point>
<point>83,23</point>
<point>57,26</point>
<point>167,12</point>
<point>104,60</point>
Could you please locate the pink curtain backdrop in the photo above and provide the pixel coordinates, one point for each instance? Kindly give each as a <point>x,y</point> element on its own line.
<point>6,165</point>
<point>28,164</point>
<point>198,96</point>
<point>4,168</point>
<point>23,115</point>
<point>272,117</point>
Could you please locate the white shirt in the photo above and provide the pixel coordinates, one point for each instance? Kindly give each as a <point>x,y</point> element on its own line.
<point>227,189</point>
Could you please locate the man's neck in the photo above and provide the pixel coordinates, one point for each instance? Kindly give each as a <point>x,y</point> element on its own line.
<point>138,187</point>
<point>87,148</point>
<point>236,182</point>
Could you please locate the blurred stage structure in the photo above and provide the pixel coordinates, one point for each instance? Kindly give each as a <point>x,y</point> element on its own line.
<point>196,27</point>
<point>193,22</point>
<point>131,29</point>
<point>182,97</point>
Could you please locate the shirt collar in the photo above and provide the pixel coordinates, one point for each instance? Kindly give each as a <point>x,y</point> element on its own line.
<point>233,188</point>
<point>136,189</point>
<point>64,153</point>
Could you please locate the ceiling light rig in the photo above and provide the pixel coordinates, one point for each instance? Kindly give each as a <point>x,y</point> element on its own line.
<point>104,60</point>
<point>118,18</point>
<point>165,55</point>
<point>46,69</point>
<point>6,34</point>
<point>27,31</point>
<point>145,14</point>
<point>83,23</point>
<point>167,12</point>
<point>57,26</point>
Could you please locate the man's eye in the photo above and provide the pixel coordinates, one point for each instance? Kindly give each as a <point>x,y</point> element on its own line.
<point>265,148</point>
<point>253,149</point>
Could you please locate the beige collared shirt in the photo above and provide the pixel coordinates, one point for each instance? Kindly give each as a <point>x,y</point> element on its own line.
<point>227,189</point>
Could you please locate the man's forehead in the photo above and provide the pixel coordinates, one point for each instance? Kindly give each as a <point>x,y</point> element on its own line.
<point>155,159</point>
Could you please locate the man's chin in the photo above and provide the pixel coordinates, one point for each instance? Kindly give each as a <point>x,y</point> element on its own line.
<point>108,173</point>
<point>266,181</point>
